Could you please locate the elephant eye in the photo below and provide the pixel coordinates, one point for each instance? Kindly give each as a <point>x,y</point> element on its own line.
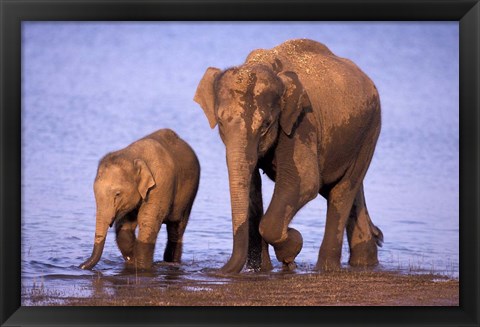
<point>116,197</point>
<point>265,126</point>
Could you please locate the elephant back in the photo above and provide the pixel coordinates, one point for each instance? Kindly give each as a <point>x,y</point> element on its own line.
<point>337,87</point>
<point>342,96</point>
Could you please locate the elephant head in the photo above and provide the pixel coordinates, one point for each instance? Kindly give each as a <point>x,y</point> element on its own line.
<point>251,105</point>
<point>120,186</point>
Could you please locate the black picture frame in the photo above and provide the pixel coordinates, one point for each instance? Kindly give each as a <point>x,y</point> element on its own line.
<point>13,12</point>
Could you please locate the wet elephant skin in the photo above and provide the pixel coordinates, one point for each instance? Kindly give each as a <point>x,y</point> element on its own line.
<point>151,182</point>
<point>310,120</point>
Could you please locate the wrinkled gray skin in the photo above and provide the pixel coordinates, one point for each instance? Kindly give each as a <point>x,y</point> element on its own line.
<point>150,182</point>
<point>310,120</point>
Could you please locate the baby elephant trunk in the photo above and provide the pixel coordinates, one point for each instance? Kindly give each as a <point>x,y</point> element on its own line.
<point>95,257</point>
<point>100,236</point>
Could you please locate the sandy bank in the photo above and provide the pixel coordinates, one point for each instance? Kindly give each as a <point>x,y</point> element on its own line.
<point>345,288</point>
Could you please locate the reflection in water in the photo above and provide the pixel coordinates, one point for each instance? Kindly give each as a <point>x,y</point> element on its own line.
<point>160,277</point>
<point>99,289</point>
<point>91,88</point>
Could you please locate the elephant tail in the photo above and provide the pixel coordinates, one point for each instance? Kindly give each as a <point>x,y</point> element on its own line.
<point>377,234</point>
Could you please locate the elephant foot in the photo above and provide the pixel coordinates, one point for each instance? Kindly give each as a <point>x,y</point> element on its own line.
<point>328,265</point>
<point>126,243</point>
<point>173,252</point>
<point>266,265</point>
<point>364,254</point>
<point>289,266</point>
<point>287,250</point>
<point>143,258</point>
<point>129,259</point>
<point>131,265</point>
<point>233,266</point>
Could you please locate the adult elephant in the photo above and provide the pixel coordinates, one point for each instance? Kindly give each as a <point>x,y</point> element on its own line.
<point>310,120</point>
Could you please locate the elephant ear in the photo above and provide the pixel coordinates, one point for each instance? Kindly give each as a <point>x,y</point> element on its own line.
<point>144,177</point>
<point>293,99</point>
<point>205,95</point>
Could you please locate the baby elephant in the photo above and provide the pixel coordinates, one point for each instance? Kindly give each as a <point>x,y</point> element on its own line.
<point>152,181</point>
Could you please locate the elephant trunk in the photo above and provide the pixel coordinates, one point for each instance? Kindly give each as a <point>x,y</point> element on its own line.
<point>240,167</point>
<point>95,257</point>
<point>101,229</point>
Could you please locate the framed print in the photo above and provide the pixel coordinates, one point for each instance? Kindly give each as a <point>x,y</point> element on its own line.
<point>198,163</point>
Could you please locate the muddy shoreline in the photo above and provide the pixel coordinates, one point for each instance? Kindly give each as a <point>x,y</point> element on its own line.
<point>344,288</point>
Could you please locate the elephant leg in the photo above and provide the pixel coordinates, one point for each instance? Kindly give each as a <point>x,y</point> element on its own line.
<point>339,205</point>
<point>149,222</point>
<point>258,257</point>
<point>173,249</point>
<point>125,235</point>
<point>363,236</point>
<point>296,183</point>
<point>287,242</point>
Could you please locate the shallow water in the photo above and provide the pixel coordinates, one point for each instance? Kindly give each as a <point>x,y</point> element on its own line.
<point>90,88</point>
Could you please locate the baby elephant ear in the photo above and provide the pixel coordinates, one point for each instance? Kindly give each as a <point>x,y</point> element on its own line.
<point>293,99</point>
<point>145,179</point>
<point>205,95</point>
